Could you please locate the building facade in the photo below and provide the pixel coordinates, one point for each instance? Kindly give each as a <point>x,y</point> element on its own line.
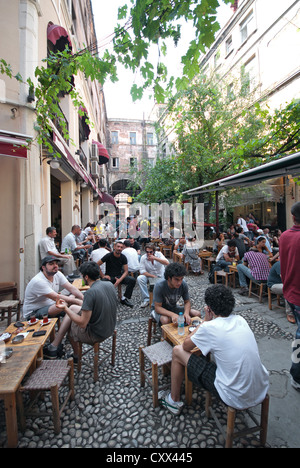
<point>132,143</point>
<point>255,52</point>
<point>34,193</point>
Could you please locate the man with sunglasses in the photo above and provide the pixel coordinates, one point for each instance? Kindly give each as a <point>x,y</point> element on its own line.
<point>152,265</point>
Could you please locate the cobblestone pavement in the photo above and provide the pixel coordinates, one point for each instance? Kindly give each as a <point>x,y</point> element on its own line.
<point>116,412</point>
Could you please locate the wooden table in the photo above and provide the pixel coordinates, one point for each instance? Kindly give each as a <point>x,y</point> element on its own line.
<point>170,333</point>
<point>12,372</point>
<point>30,340</point>
<point>204,253</point>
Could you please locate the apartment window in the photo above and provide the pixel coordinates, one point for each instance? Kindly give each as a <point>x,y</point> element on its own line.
<point>132,137</point>
<point>247,27</point>
<point>151,162</point>
<point>114,138</point>
<point>229,45</point>
<point>133,162</point>
<point>115,163</point>
<point>149,138</point>
<point>248,76</point>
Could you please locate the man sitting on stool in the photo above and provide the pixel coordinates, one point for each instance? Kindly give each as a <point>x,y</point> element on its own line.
<point>167,293</point>
<point>43,290</point>
<point>235,374</point>
<point>92,322</point>
<point>117,272</point>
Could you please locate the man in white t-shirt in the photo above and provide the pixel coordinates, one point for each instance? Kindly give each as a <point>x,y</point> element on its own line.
<point>132,257</point>
<point>242,222</point>
<point>43,290</point>
<point>235,373</point>
<point>227,255</point>
<point>69,242</point>
<point>97,254</point>
<point>47,247</point>
<point>152,265</point>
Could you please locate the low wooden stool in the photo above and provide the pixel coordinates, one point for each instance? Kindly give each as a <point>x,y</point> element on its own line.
<point>151,325</point>
<point>207,261</point>
<point>9,308</point>
<point>229,435</point>
<point>224,275</point>
<point>159,354</point>
<point>50,375</point>
<point>260,289</point>
<point>270,302</point>
<point>96,348</point>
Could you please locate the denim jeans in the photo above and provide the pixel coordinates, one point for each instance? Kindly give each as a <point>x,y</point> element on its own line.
<point>142,282</point>
<point>243,272</point>
<point>223,265</point>
<point>295,369</point>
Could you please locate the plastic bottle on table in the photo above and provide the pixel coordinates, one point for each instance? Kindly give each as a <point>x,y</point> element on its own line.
<point>180,324</point>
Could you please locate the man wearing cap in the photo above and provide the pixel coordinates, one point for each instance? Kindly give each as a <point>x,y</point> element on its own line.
<point>42,291</point>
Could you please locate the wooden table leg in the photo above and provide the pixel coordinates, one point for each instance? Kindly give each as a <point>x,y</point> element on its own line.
<point>11,420</point>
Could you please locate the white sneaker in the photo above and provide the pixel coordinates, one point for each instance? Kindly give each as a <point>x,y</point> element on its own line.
<point>163,399</point>
<point>145,303</point>
<point>295,384</point>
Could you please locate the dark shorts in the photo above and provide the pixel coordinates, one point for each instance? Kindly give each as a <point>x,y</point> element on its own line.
<point>176,310</point>
<point>84,335</point>
<point>202,373</point>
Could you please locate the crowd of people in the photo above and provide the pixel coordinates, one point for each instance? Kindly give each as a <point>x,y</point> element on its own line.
<point>91,317</point>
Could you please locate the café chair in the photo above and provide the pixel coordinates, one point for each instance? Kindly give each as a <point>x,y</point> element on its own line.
<point>225,275</point>
<point>159,355</point>
<point>48,376</point>
<point>207,261</point>
<point>8,309</point>
<point>258,289</point>
<point>277,297</point>
<point>96,348</point>
<point>229,435</point>
<point>151,326</point>
<point>10,287</point>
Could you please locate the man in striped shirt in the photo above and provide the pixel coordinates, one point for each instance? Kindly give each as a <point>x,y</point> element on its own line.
<point>256,267</point>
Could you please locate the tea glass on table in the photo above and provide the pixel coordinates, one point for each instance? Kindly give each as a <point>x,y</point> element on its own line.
<point>32,318</point>
<point>45,318</point>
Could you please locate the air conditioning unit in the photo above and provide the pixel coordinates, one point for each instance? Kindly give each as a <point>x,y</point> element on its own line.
<point>94,154</point>
<point>95,169</point>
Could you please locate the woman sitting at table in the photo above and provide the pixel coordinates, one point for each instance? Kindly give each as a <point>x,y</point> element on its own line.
<point>190,254</point>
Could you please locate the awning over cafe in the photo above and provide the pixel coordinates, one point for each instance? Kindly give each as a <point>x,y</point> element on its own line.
<point>288,165</point>
<point>58,36</point>
<point>106,198</point>
<point>14,144</point>
<point>102,153</point>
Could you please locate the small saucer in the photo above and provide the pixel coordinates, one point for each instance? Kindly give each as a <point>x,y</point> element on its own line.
<point>46,323</point>
<point>32,323</point>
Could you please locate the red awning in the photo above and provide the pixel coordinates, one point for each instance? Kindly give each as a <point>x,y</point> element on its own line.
<point>105,198</point>
<point>58,36</point>
<point>102,153</point>
<point>13,145</point>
